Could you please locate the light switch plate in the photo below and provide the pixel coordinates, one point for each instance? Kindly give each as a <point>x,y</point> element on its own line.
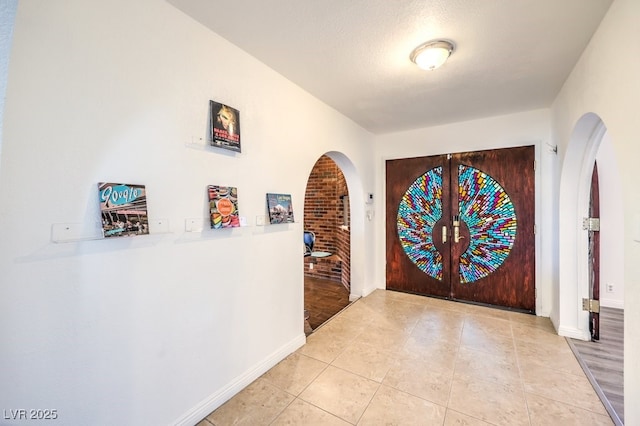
<point>193,224</point>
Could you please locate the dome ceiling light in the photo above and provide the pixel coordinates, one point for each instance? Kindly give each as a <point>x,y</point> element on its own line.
<point>432,54</point>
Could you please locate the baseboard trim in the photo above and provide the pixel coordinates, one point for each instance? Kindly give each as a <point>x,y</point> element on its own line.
<point>612,303</point>
<point>209,404</point>
<point>574,333</point>
<point>369,290</point>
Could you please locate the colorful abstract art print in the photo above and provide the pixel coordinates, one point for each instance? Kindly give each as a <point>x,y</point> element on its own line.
<point>280,208</point>
<point>223,206</point>
<point>123,208</point>
<point>225,126</point>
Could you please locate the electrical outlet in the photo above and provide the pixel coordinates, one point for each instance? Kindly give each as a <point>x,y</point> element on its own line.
<point>609,288</point>
<point>311,266</point>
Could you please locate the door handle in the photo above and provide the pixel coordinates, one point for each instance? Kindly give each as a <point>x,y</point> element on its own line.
<point>444,234</point>
<point>456,229</point>
<point>456,233</point>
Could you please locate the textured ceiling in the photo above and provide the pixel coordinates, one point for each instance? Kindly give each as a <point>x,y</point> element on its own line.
<point>511,55</point>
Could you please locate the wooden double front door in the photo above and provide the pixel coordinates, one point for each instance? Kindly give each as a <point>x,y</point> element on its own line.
<point>461,226</point>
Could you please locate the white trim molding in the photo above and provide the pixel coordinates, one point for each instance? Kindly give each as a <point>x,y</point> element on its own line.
<point>209,404</point>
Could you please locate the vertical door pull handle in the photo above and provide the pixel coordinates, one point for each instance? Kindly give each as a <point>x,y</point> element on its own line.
<point>444,234</point>
<point>456,230</point>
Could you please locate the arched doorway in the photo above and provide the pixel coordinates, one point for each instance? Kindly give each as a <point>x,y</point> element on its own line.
<point>573,254</point>
<point>590,141</point>
<point>327,220</point>
<point>348,205</point>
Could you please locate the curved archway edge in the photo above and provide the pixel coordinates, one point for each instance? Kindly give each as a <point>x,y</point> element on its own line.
<point>573,206</point>
<point>356,196</point>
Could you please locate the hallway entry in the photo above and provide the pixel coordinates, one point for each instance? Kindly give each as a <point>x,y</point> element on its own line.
<point>461,226</point>
<point>327,258</point>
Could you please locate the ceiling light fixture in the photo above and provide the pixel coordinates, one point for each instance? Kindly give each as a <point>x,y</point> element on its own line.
<point>432,54</point>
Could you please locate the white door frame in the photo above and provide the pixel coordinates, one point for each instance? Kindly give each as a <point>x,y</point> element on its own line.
<point>573,242</point>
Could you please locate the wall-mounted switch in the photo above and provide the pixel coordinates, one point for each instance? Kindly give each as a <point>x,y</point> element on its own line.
<point>193,224</point>
<point>369,198</point>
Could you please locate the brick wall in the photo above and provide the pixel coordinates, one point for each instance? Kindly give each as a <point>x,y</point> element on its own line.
<point>323,214</point>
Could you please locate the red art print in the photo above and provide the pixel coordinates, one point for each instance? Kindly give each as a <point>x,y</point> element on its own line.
<point>225,126</point>
<point>223,206</point>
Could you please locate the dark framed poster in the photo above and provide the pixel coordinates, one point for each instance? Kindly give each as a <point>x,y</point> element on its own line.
<point>223,206</point>
<point>225,126</point>
<point>123,208</point>
<point>280,208</point>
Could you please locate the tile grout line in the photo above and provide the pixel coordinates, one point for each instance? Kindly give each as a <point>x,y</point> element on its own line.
<point>353,332</point>
<point>368,404</point>
<point>455,362</point>
<point>521,375</point>
<point>447,408</point>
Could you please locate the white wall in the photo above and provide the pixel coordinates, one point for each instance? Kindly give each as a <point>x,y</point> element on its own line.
<point>7,17</point>
<point>611,226</point>
<point>605,82</point>
<point>527,128</point>
<point>161,328</point>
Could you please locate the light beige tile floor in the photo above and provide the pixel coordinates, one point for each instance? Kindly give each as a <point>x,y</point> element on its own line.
<point>398,359</point>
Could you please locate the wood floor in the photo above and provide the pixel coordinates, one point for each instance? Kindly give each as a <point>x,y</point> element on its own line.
<point>322,300</point>
<point>603,361</point>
